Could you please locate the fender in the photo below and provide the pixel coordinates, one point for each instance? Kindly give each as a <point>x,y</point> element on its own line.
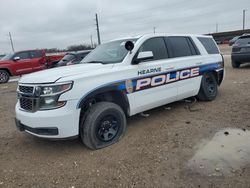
<point>7,67</point>
<point>105,89</point>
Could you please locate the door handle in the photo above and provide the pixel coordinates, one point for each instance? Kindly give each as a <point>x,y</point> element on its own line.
<point>169,68</point>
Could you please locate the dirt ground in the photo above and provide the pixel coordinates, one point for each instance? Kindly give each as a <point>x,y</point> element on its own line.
<point>153,153</point>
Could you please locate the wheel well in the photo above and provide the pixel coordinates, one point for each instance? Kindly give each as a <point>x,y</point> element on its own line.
<point>113,96</point>
<point>218,76</point>
<point>6,70</point>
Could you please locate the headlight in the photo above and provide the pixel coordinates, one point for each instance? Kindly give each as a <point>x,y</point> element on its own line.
<point>49,95</point>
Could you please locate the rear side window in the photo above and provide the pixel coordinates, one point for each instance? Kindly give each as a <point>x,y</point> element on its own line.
<point>182,46</point>
<point>36,54</point>
<point>209,45</point>
<point>157,46</point>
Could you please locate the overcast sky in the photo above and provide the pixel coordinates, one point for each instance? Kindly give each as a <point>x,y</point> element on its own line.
<point>60,23</point>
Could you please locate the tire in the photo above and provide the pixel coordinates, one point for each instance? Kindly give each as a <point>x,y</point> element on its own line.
<point>209,87</point>
<point>104,125</point>
<point>4,76</point>
<point>235,64</point>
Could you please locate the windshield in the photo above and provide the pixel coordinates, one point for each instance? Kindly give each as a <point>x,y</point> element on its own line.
<point>243,40</point>
<point>7,57</point>
<point>108,53</point>
<point>68,57</point>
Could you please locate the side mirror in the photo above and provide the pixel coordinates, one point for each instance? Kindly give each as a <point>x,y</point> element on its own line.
<point>16,58</point>
<point>142,56</point>
<point>129,45</point>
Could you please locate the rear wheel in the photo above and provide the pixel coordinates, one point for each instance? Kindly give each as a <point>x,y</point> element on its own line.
<point>4,76</point>
<point>104,125</point>
<point>209,87</point>
<point>235,64</point>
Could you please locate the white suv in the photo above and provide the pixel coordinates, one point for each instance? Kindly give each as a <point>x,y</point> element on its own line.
<point>118,79</point>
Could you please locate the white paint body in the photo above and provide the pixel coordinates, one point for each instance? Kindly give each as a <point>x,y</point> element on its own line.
<point>89,77</point>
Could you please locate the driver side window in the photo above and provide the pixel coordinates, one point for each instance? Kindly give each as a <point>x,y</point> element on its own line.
<point>22,55</point>
<point>157,46</point>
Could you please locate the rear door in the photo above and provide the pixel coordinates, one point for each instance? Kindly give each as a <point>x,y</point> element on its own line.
<point>23,65</point>
<point>150,87</point>
<point>37,60</point>
<point>187,61</point>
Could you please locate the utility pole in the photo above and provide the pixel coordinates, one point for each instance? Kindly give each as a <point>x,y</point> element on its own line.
<point>97,28</point>
<point>11,42</point>
<point>217,27</point>
<point>244,18</point>
<point>154,29</point>
<point>91,39</point>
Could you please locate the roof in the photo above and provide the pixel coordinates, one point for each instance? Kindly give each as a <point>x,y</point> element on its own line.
<point>159,35</point>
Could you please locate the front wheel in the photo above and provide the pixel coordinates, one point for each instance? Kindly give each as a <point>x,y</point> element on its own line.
<point>4,76</point>
<point>104,125</point>
<point>209,87</point>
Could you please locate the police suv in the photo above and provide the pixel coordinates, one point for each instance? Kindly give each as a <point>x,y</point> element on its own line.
<point>118,79</point>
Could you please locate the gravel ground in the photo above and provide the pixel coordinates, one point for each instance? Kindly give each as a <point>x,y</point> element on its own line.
<point>153,153</point>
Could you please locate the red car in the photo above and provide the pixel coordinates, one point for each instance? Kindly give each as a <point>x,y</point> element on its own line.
<point>24,62</point>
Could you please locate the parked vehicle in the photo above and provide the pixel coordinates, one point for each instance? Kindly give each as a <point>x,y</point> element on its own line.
<point>72,58</point>
<point>233,40</point>
<point>241,51</point>
<point>120,78</point>
<point>24,62</point>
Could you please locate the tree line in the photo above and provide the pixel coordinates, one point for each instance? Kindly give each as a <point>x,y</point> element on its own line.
<point>75,47</point>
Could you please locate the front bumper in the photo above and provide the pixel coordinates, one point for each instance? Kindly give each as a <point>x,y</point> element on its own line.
<point>49,131</point>
<point>59,123</point>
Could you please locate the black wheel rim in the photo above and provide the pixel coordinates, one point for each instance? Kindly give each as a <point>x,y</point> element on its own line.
<point>3,77</point>
<point>107,128</point>
<point>211,85</point>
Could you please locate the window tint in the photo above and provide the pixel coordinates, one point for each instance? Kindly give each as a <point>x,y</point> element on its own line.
<point>243,40</point>
<point>36,54</point>
<point>181,47</point>
<point>23,55</point>
<point>157,46</point>
<point>209,45</point>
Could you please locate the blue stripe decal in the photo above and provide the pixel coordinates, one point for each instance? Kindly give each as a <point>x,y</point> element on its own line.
<point>129,87</point>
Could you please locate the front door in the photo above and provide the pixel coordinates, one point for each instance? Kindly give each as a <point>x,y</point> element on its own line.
<point>23,64</point>
<point>153,85</point>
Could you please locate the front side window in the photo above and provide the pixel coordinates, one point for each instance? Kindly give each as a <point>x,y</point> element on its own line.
<point>22,55</point>
<point>157,46</point>
<point>108,53</point>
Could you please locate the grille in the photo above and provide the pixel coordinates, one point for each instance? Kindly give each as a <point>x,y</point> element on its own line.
<point>26,103</point>
<point>26,89</point>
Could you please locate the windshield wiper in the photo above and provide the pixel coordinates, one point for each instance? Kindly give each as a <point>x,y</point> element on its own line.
<point>95,62</point>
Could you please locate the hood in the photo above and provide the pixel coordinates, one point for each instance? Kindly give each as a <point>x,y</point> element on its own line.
<point>2,62</point>
<point>54,74</point>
